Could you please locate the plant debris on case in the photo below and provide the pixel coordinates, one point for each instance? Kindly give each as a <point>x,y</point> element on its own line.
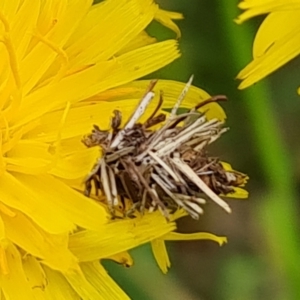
<point>165,168</point>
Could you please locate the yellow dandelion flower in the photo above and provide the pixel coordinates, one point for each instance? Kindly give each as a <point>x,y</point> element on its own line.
<point>66,65</point>
<point>155,227</point>
<point>275,44</point>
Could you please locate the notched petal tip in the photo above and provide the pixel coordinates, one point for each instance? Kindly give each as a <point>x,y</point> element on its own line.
<point>165,18</point>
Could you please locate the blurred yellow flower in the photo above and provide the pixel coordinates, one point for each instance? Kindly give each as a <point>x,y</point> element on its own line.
<point>66,65</point>
<point>277,39</point>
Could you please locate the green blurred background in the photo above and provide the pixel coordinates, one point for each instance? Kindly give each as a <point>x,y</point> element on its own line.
<point>261,260</point>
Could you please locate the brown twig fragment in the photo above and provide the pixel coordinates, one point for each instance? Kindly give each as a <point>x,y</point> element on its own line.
<point>163,169</point>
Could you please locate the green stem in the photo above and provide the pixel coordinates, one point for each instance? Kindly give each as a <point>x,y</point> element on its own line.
<point>278,211</point>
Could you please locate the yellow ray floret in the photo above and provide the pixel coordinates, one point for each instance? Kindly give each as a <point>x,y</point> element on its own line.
<point>16,281</point>
<point>159,248</point>
<point>166,17</point>
<point>274,45</point>
<point>258,7</point>
<point>127,234</point>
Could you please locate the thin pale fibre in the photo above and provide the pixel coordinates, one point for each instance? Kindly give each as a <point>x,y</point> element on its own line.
<point>80,120</point>
<point>102,282</point>
<point>58,287</point>
<point>66,202</point>
<point>171,91</point>
<point>119,236</point>
<point>16,280</point>
<point>266,36</point>
<point>51,249</point>
<point>161,255</point>
<point>175,236</point>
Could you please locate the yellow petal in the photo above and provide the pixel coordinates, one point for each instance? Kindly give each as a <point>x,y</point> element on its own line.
<point>65,201</point>
<point>36,276</point>
<point>83,287</point>
<point>10,8</point>
<point>175,236</point>
<point>141,40</point>
<point>165,17</point>
<point>105,285</point>
<point>58,287</point>
<point>13,192</point>
<point>118,21</point>
<point>266,36</point>
<point>259,7</point>
<point>171,91</point>
<point>40,58</point>
<point>24,26</point>
<point>71,89</point>
<point>50,203</point>
<point>97,78</point>
<point>119,236</point>
<point>2,230</point>
<point>81,119</point>
<point>76,165</point>
<point>15,281</point>
<point>161,255</point>
<point>238,193</point>
<point>52,249</point>
<point>277,55</point>
<point>29,157</point>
